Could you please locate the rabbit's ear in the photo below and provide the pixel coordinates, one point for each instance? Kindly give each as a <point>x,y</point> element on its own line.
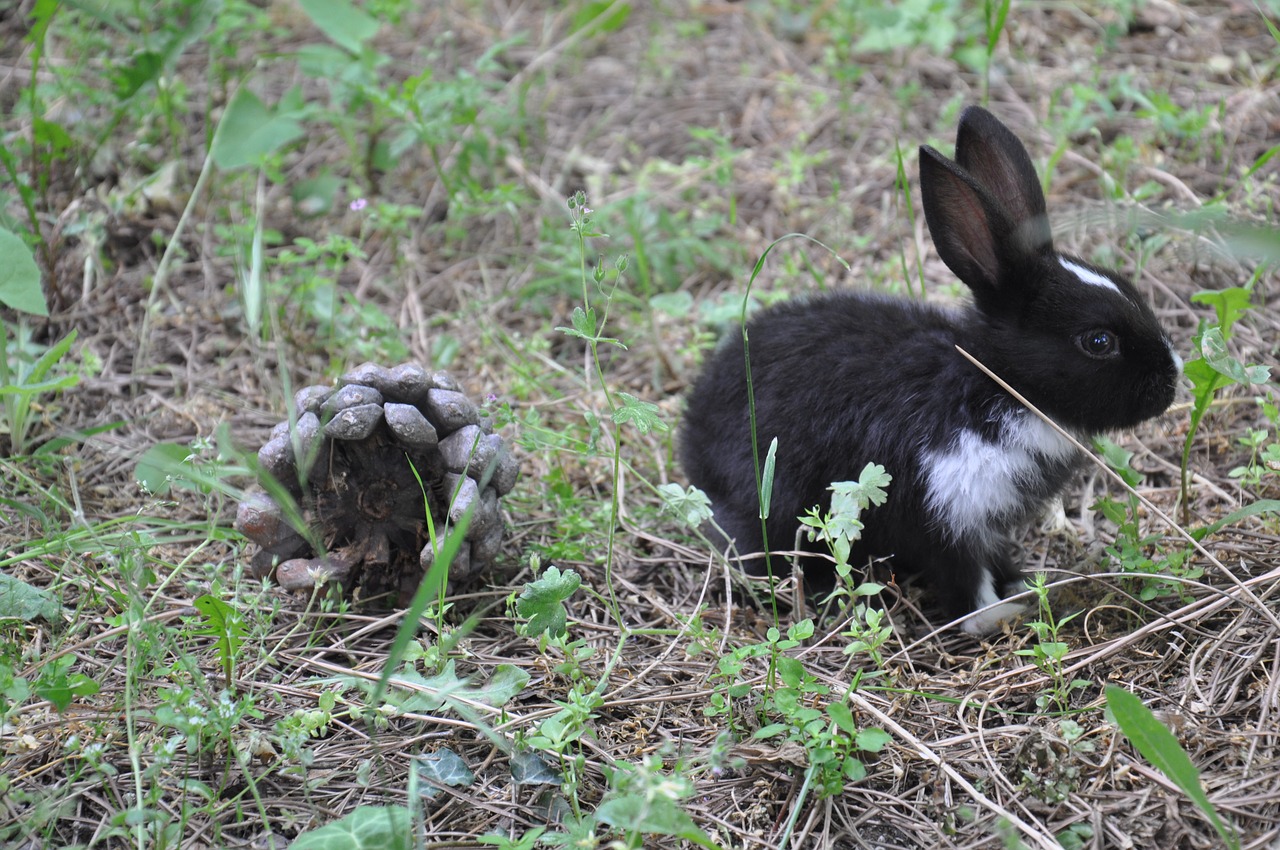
<point>997,160</point>
<point>969,228</point>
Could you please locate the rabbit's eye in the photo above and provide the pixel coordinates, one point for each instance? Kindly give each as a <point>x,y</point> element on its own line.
<point>1098,343</point>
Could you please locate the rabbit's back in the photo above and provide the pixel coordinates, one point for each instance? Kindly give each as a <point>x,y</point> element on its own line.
<point>840,380</point>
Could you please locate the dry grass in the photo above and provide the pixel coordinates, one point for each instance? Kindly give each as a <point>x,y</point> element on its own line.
<point>972,758</point>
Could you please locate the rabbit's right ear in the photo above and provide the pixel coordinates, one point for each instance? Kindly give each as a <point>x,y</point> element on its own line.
<point>969,228</point>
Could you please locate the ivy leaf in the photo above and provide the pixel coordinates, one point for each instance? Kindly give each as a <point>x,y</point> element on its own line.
<point>444,767</point>
<point>366,828</point>
<point>634,813</point>
<point>528,768</point>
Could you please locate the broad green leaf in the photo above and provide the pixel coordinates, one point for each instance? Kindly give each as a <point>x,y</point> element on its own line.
<point>128,80</point>
<point>1119,459</point>
<point>872,740</point>
<point>249,132</point>
<point>366,828</point>
<point>344,23</point>
<point>22,601</point>
<point>790,671</point>
<point>691,504</point>
<point>651,816</point>
<point>542,602</point>
<point>604,15</point>
<point>161,466</point>
<point>445,767</point>
<point>678,304</point>
<point>420,694</point>
<point>1229,304</point>
<point>19,276</point>
<point>1159,746</point>
<point>842,716</point>
<point>60,686</point>
<point>528,768</point>
<point>53,137</point>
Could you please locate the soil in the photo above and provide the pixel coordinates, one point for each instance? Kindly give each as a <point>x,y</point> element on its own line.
<point>702,132</point>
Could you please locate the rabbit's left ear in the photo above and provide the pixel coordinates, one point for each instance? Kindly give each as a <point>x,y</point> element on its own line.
<point>997,160</point>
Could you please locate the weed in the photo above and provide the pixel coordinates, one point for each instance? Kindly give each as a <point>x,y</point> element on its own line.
<point>1049,651</point>
<point>1215,368</point>
<point>1050,764</point>
<point>841,525</point>
<point>830,736</point>
<point>1157,572</point>
<point>1263,445</point>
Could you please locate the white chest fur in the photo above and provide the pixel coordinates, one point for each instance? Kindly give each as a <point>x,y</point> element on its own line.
<point>977,487</point>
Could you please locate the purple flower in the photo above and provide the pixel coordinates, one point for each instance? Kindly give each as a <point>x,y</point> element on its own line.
<point>358,204</point>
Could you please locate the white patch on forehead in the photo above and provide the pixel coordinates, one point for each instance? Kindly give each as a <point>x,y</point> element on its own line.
<point>1089,276</point>
<point>974,485</point>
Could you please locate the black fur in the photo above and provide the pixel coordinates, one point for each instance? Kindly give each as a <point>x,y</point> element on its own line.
<point>844,379</point>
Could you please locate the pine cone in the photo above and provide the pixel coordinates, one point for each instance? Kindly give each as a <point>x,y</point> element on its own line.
<point>355,511</point>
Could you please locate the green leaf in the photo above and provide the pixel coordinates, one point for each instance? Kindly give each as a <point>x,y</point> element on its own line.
<point>366,828</point>
<point>676,304</point>
<point>766,478</point>
<point>445,767</point>
<point>19,276</point>
<point>1229,304</point>
<point>872,740</point>
<point>691,504</point>
<point>1119,459</point>
<point>842,716</point>
<point>651,816</point>
<point>226,626</point>
<point>162,465</point>
<point>249,132</point>
<point>53,136</point>
<point>790,671</point>
<point>594,14</point>
<point>342,22</point>
<point>22,601</point>
<point>1159,746</point>
<point>418,694</point>
<point>60,686</point>
<point>528,768</point>
<point>128,80</point>
<point>542,602</point>
<point>1262,506</point>
<point>642,414</point>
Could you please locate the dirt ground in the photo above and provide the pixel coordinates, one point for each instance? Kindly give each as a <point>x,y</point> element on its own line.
<point>701,132</point>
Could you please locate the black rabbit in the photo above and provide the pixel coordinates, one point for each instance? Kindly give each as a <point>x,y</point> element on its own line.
<point>847,378</point>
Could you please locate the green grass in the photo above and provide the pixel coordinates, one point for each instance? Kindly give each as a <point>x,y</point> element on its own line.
<point>330,176</point>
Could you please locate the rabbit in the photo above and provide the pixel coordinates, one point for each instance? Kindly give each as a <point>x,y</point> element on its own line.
<point>846,378</point>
